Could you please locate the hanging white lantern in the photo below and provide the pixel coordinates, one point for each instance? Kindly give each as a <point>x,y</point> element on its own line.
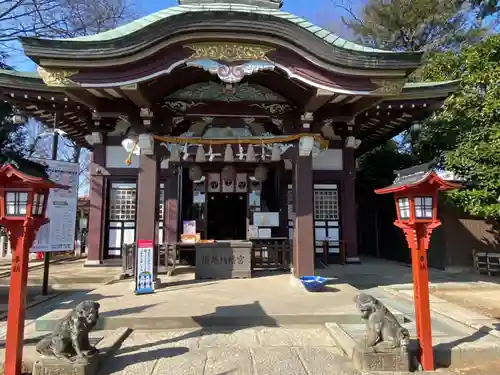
<point>260,173</point>
<point>175,155</point>
<point>276,153</point>
<point>229,154</point>
<point>195,173</point>
<point>200,154</point>
<point>251,154</point>
<point>228,173</point>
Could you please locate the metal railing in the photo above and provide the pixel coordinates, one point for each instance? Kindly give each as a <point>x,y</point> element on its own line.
<point>163,261</point>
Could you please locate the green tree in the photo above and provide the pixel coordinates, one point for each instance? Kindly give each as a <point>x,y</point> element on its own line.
<point>466,133</point>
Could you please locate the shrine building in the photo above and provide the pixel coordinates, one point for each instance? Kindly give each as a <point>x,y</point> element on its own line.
<point>233,115</point>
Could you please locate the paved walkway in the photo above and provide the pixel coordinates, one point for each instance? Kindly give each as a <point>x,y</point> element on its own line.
<point>67,276</point>
<point>185,314</point>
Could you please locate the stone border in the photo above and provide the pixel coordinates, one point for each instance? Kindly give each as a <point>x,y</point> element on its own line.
<point>457,313</point>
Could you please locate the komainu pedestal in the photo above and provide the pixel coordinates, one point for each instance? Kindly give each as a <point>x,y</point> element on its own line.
<point>67,350</point>
<point>385,347</point>
<point>368,359</point>
<point>56,366</point>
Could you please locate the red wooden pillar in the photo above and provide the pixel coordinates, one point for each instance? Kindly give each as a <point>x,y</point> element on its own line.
<point>21,240</point>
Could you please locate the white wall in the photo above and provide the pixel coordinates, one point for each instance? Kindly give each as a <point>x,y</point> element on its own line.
<point>327,160</point>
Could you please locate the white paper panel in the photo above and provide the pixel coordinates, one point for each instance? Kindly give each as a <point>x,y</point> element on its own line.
<point>320,234</point>
<point>213,183</point>
<point>241,183</point>
<point>115,238</point>
<point>333,234</point>
<point>227,186</point>
<point>116,155</point>
<point>115,252</point>
<point>129,236</point>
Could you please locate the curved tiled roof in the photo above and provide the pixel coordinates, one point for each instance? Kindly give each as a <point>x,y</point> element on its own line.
<point>134,26</point>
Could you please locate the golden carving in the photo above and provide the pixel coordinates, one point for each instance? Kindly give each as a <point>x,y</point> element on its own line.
<point>388,87</point>
<point>55,77</point>
<point>229,51</point>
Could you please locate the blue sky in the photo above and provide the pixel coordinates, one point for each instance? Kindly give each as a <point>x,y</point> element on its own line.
<point>321,12</point>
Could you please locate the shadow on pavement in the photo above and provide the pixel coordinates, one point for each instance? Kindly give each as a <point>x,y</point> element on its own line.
<point>130,355</point>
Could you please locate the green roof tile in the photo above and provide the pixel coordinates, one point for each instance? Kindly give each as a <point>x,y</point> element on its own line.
<point>135,26</point>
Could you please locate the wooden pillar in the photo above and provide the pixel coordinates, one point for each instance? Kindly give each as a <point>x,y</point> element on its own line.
<point>171,206</point>
<point>148,192</point>
<point>348,214</point>
<point>96,227</point>
<point>283,197</point>
<point>303,233</point>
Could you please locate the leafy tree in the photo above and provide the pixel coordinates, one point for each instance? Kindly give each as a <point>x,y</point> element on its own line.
<point>466,134</point>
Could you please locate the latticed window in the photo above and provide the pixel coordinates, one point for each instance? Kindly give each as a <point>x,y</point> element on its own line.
<point>122,203</point>
<point>326,205</point>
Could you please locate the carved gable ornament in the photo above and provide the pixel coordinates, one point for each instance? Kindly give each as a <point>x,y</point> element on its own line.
<point>231,73</point>
<point>229,52</point>
<point>54,77</point>
<point>388,86</point>
<point>213,91</point>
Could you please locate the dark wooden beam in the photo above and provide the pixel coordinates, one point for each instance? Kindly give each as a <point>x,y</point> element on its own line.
<point>318,98</point>
<point>136,95</point>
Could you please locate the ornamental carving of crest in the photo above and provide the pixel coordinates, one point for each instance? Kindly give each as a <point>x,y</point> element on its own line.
<point>387,86</point>
<point>229,51</point>
<point>56,77</point>
<point>233,73</point>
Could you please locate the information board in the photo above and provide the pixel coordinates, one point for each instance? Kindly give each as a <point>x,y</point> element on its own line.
<point>144,269</point>
<point>59,233</point>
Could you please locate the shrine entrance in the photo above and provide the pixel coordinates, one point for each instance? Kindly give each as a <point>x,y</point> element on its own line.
<point>227,216</point>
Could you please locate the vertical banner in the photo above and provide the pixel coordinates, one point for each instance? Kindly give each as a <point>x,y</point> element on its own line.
<point>144,269</point>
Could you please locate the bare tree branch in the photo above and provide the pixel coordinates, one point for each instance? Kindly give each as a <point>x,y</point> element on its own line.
<point>61,18</point>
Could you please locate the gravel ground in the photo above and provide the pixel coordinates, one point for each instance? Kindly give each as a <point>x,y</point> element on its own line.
<point>485,301</point>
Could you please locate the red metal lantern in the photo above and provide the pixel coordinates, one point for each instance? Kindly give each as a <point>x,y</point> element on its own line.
<point>416,196</point>
<point>24,189</point>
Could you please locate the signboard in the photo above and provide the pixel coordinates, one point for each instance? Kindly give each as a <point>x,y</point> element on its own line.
<point>59,233</point>
<point>266,219</point>
<point>144,282</point>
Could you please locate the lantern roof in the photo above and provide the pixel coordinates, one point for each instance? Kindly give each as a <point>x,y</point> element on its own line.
<point>25,170</point>
<point>415,176</point>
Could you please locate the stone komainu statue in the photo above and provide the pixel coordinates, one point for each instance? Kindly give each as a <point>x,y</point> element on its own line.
<point>382,329</point>
<point>70,338</point>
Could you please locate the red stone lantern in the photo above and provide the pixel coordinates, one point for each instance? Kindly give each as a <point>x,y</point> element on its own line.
<point>24,189</point>
<point>416,196</point>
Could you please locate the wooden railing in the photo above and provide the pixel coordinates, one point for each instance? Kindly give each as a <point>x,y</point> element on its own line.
<point>272,253</point>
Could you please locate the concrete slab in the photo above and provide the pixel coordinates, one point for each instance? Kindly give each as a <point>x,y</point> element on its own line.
<point>277,361</point>
<point>228,361</point>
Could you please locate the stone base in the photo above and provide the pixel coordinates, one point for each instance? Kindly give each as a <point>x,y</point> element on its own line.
<point>381,360</point>
<point>54,366</point>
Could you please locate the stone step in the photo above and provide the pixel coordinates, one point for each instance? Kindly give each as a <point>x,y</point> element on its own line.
<point>48,322</point>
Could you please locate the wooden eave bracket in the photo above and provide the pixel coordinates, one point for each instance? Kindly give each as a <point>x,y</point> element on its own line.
<point>319,98</point>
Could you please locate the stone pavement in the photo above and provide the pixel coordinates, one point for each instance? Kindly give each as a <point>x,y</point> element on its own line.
<point>282,327</point>
<point>250,351</point>
<point>66,276</point>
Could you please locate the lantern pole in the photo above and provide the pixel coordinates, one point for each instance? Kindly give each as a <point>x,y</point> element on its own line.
<point>21,237</point>
<point>421,293</point>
